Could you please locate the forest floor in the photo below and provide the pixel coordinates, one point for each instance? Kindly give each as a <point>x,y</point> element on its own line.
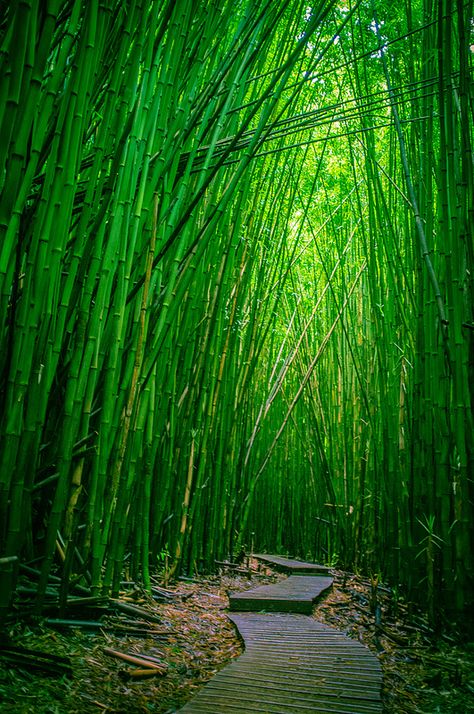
<point>186,636</point>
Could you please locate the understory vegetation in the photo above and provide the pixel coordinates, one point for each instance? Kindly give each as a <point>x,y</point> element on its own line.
<point>237,290</point>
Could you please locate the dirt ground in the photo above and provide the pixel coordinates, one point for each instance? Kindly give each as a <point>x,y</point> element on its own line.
<point>182,637</point>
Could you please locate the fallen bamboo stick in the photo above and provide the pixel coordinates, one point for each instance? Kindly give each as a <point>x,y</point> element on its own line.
<point>81,624</point>
<point>7,560</point>
<point>134,610</point>
<point>36,660</point>
<point>154,660</point>
<point>142,663</point>
<point>139,673</point>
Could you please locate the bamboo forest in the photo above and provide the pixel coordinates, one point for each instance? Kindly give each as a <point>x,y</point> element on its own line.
<point>237,294</point>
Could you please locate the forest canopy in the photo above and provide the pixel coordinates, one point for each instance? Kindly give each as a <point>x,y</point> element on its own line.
<point>236,285</point>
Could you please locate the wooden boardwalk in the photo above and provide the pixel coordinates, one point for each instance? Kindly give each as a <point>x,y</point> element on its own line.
<point>291,663</point>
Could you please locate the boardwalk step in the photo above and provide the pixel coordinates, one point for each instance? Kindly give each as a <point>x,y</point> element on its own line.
<point>290,565</point>
<point>295,594</point>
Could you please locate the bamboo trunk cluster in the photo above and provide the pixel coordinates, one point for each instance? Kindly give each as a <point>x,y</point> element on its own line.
<point>236,288</point>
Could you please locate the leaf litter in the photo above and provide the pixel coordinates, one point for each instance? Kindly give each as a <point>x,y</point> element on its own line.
<point>423,672</point>
<point>184,638</point>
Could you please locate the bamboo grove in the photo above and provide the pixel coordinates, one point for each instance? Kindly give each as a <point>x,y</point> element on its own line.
<point>236,268</point>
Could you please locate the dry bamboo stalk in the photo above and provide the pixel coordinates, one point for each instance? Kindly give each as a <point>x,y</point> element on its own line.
<point>142,663</point>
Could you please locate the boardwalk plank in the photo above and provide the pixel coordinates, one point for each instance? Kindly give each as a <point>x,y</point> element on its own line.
<point>300,686</point>
<point>226,705</point>
<point>290,565</point>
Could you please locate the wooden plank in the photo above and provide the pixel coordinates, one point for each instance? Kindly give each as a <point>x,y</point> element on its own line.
<point>287,702</point>
<point>265,678</point>
<point>290,565</point>
<point>238,706</point>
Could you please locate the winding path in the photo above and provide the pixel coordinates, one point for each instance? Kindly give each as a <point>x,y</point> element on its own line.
<point>291,662</point>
